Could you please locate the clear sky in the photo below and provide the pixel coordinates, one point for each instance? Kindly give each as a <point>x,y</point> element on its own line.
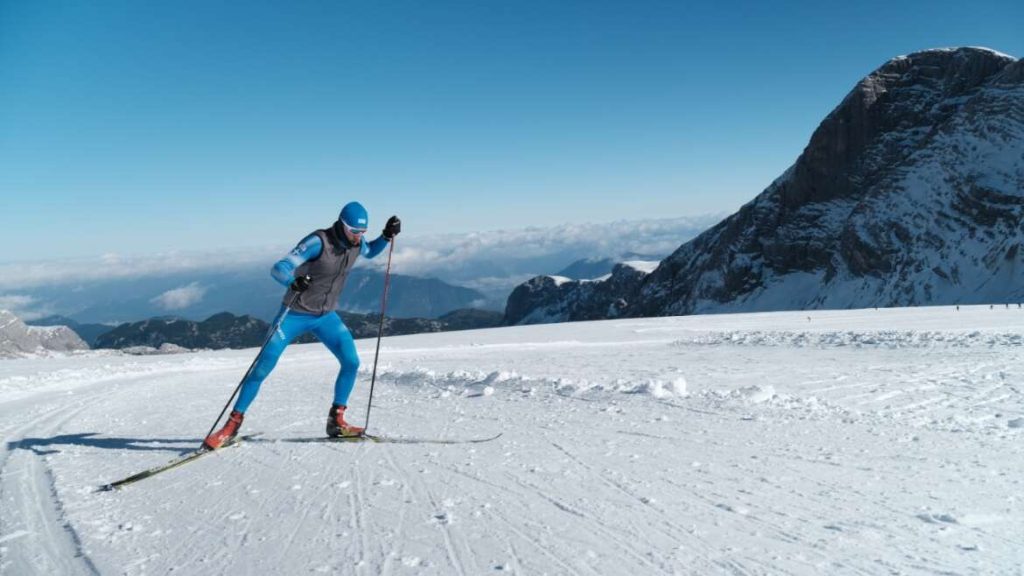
<point>130,126</point>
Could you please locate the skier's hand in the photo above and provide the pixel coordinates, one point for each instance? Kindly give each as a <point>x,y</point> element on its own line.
<point>301,283</point>
<point>392,228</point>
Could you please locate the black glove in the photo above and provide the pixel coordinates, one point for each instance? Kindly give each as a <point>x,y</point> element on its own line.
<point>301,283</point>
<point>392,228</point>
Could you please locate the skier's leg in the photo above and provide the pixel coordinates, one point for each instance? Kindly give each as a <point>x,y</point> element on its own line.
<point>338,339</point>
<point>293,325</point>
<point>336,336</point>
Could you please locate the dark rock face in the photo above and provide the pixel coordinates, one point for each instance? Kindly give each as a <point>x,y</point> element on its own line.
<point>470,319</point>
<point>222,330</point>
<point>910,192</point>
<point>367,325</point>
<point>545,299</point>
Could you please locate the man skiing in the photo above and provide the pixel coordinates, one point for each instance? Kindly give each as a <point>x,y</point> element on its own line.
<point>315,273</point>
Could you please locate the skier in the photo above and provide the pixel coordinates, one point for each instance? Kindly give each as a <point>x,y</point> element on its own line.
<point>315,273</point>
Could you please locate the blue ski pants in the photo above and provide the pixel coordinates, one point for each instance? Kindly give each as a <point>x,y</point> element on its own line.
<point>329,329</point>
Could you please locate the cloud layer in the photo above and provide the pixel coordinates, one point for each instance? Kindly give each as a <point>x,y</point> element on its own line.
<point>24,306</point>
<point>491,262</point>
<point>21,275</point>
<point>180,298</point>
<point>519,252</point>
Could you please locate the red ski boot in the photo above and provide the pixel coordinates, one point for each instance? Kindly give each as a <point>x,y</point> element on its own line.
<point>336,425</point>
<point>229,431</point>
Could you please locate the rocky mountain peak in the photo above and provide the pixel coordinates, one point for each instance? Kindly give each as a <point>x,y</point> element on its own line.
<point>910,192</point>
<point>908,95</point>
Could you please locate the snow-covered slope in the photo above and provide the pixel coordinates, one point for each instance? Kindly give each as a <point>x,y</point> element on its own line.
<point>846,442</point>
<point>18,339</point>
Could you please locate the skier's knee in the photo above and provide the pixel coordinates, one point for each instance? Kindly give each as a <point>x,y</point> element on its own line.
<point>350,365</point>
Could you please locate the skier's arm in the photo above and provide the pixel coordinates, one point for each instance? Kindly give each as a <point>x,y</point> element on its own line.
<point>371,249</point>
<point>391,229</point>
<point>309,249</point>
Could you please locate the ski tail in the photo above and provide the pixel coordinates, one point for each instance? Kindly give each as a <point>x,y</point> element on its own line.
<point>179,461</point>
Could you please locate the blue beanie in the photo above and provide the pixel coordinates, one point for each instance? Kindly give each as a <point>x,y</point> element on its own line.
<point>354,215</point>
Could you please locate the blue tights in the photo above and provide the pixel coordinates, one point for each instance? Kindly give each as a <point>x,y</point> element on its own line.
<point>329,329</point>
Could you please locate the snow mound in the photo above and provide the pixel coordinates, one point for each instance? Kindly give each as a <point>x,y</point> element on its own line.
<point>478,383</point>
<point>652,387</point>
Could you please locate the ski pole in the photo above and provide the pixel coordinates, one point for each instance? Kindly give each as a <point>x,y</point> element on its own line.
<point>270,334</point>
<point>380,332</point>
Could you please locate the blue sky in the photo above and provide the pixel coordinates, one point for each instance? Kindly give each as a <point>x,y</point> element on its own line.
<point>129,127</point>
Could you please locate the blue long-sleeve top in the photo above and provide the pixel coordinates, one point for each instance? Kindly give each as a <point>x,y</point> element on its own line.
<point>310,248</point>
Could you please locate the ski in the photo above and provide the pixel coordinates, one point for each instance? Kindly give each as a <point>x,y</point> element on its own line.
<point>395,439</point>
<point>191,456</point>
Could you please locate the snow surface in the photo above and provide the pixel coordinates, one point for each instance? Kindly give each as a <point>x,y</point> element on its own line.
<point>825,442</point>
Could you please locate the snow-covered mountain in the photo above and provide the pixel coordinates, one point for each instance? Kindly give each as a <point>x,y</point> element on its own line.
<point>19,339</point>
<point>911,192</point>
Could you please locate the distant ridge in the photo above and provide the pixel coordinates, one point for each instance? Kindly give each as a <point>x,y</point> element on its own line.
<point>226,330</point>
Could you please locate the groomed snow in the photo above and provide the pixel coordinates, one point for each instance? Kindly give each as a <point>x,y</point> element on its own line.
<point>828,442</point>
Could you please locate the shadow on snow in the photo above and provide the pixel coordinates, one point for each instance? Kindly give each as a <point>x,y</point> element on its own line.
<point>42,446</point>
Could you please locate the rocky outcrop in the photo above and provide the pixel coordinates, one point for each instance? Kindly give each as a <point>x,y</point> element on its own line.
<point>545,299</point>
<point>18,339</point>
<point>88,332</point>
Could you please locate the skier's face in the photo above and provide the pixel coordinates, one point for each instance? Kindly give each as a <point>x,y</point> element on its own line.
<point>354,235</point>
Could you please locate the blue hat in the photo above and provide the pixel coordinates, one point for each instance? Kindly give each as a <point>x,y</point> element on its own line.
<point>354,215</point>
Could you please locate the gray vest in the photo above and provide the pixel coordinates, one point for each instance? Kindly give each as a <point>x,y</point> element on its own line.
<point>329,271</point>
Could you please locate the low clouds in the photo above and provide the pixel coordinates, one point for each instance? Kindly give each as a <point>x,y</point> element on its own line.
<point>23,306</point>
<point>487,257</point>
<point>179,298</point>
<point>493,262</point>
<point>24,275</point>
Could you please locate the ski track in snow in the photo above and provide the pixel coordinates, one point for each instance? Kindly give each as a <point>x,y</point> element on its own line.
<point>841,442</point>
